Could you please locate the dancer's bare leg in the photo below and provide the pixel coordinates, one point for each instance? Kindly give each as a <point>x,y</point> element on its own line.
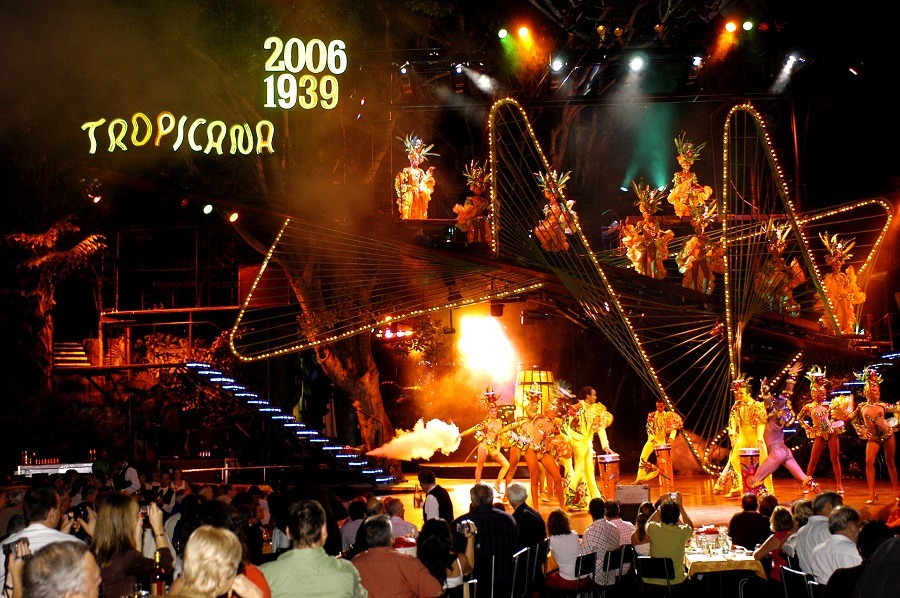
<point>556,480</point>
<point>479,467</point>
<point>514,454</point>
<point>834,450</point>
<point>815,453</point>
<point>498,457</point>
<point>534,472</point>
<point>871,454</point>
<point>890,447</point>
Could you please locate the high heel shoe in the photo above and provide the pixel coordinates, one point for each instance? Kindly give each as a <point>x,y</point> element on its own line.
<point>810,485</point>
<point>873,499</point>
<point>840,490</point>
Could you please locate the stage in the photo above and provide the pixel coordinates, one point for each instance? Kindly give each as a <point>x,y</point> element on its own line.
<point>704,507</point>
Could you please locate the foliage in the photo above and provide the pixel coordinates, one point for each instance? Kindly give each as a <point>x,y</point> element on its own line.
<point>430,339</point>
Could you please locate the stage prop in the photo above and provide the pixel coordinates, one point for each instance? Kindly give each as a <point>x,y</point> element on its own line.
<point>608,474</point>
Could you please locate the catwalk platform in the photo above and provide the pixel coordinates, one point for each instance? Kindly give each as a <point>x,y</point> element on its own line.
<point>704,507</point>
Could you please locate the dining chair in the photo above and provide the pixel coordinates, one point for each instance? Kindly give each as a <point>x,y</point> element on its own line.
<point>816,589</point>
<point>538,564</point>
<point>520,573</point>
<point>612,563</point>
<point>585,565</point>
<point>651,567</point>
<point>796,583</point>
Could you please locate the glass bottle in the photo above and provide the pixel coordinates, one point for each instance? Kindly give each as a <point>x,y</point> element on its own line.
<point>158,579</point>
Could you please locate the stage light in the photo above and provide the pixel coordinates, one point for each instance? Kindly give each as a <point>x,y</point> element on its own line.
<point>502,33</point>
<point>524,33</point>
<point>404,70</point>
<point>557,65</point>
<point>696,61</point>
<point>601,31</point>
<point>208,209</point>
<point>748,25</point>
<point>618,32</point>
<point>636,63</point>
<point>459,69</point>
<point>763,27</point>
<point>730,26</point>
<point>659,29</point>
<point>233,217</point>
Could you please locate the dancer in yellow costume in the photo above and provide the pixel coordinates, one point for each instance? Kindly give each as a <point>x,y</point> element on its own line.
<point>777,279</point>
<point>824,424</point>
<point>662,426</point>
<point>584,419</point>
<point>471,217</point>
<point>647,246</point>
<point>841,288</point>
<point>413,184</point>
<point>559,220</point>
<point>490,437</point>
<point>687,192</point>
<point>746,426</point>
<point>870,423</point>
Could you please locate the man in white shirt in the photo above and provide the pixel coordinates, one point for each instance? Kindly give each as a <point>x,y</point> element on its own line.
<point>393,506</point>
<point>41,509</point>
<point>816,529</point>
<point>839,550</point>
<point>626,528</point>
<point>125,478</point>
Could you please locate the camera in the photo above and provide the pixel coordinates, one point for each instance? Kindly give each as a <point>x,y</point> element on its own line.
<point>79,511</point>
<point>464,527</point>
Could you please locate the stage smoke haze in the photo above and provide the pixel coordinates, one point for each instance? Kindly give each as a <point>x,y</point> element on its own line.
<point>423,441</point>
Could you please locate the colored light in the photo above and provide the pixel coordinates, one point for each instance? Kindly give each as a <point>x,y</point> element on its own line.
<point>523,32</point>
<point>730,26</point>
<point>233,217</point>
<point>502,33</point>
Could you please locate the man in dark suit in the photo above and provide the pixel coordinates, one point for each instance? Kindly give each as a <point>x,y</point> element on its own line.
<point>532,527</point>
<point>437,501</point>
<point>749,528</point>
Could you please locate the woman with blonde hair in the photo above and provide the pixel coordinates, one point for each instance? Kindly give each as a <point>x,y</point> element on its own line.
<point>782,525</point>
<point>212,559</point>
<point>116,540</point>
<point>639,538</point>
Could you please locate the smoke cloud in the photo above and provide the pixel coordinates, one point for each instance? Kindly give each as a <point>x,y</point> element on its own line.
<point>423,441</point>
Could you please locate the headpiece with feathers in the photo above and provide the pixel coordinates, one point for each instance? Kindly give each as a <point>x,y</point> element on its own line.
<point>687,150</point>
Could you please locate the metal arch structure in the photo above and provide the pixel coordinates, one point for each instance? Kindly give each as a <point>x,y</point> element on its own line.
<point>340,283</point>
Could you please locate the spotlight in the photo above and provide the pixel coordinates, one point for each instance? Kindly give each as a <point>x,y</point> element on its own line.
<point>747,25</point>
<point>524,32</point>
<point>730,26</point>
<point>601,30</point>
<point>233,217</point>
<point>557,65</point>
<point>502,33</point>
<point>208,209</point>
<point>636,63</point>
<point>458,69</point>
<point>618,32</point>
<point>696,61</point>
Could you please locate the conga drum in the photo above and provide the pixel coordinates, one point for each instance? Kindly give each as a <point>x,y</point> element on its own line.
<point>608,474</point>
<point>749,463</point>
<point>664,463</point>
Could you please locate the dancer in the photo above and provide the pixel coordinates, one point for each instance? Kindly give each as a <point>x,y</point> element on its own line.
<point>584,419</point>
<point>825,424</point>
<point>841,288</point>
<point>528,440</point>
<point>647,245</point>
<point>489,435</point>
<point>413,184</point>
<point>662,426</point>
<point>558,220</point>
<point>471,217</point>
<point>687,192</point>
<point>746,427</point>
<point>779,414</point>
<point>777,279</point>
<point>871,425</point>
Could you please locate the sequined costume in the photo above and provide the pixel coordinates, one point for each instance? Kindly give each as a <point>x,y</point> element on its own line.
<point>472,216</point>
<point>777,279</point>
<point>746,427</point>
<point>701,258</point>
<point>645,244</point>
<point>687,191</point>
<point>824,423</point>
<point>870,423</point>
<point>531,438</point>
<point>490,435</point>
<point>413,184</point>
<point>778,415</point>
<point>559,218</point>
<point>662,426</point>
<point>841,288</point>
<point>583,420</point>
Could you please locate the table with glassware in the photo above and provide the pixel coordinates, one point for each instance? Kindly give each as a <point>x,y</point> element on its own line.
<point>713,553</point>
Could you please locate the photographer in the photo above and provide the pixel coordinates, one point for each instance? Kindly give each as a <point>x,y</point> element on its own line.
<point>668,537</point>
<point>45,524</point>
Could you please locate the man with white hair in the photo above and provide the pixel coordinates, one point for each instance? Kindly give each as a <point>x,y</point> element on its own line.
<point>839,550</point>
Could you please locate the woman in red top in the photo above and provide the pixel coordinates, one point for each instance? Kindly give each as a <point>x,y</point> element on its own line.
<point>781,524</point>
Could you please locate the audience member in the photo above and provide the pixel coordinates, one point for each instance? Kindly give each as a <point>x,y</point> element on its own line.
<point>816,529</point>
<point>668,537</point>
<point>125,477</point>
<point>253,533</point>
<point>880,579</point>
<point>356,512</point>
<point>165,494</point>
<point>530,523</point>
<point>61,570</point>
<point>767,505</point>
<point>182,487</point>
<point>13,507</point>
<point>374,508</point>
<point>839,550</point>
<point>565,548</point>
<point>782,525</point>
<point>801,510</point>
<point>872,534</point>
<point>40,507</point>
<point>435,550</point>
<point>639,538</point>
<point>748,528</point>
<point>626,528</point>
<point>600,537</point>
<point>394,509</point>
<point>212,560</point>
<point>262,504</point>
<point>116,542</point>
<point>385,571</point>
<point>437,501</point>
<point>306,569</point>
<point>498,537</point>
<point>100,466</point>
<point>228,492</point>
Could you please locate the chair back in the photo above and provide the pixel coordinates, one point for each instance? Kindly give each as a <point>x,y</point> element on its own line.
<point>628,556</point>
<point>585,565</point>
<point>655,567</point>
<point>796,583</point>
<point>539,554</point>
<point>472,585</point>
<point>520,573</point>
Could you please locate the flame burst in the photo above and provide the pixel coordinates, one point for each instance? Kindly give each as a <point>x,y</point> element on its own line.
<point>423,441</point>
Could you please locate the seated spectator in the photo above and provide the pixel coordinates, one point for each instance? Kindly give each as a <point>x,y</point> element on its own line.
<point>306,565</point>
<point>435,550</point>
<point>668,537</point>
<point>212,559</point>
<point>165,494</point>
<point>374,508</point>
<point>532,528</point>
<point>816,529</point>
<point>839,550</point>
<point>880,578</point>
<point>782,525</point>
<point>626,528</point>
<point>564,549</point>
<point>394,509</point>
<point>61,570</point>
<point>748,528</point>
<point>356,513</point>
<point>872,534</point>
<point>385,571</point>
<point>767,505</point>
<point>801,510</point>
<point>600,537</point>
<point>262,504</point>
<point>639,538</point>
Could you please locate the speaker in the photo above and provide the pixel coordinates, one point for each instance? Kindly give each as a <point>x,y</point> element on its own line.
<point>630,498</point>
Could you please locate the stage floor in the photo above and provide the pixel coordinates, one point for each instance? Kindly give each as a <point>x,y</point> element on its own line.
<point>704,507</point>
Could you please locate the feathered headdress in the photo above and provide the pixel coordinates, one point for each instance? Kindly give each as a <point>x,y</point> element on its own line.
<point>740,382</point>
<point>687,150</point>
<point>477,175</point>
<point>552,181</point>
<point>815,372</point>
<point>838,249</point>
<point>416,148</point>
<point>777,236</point>
<point>648,198</point>
<point>863,376</point>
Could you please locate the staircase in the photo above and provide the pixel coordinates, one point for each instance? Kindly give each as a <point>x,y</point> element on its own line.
<point>337,456</point>
<point>68,355</point>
